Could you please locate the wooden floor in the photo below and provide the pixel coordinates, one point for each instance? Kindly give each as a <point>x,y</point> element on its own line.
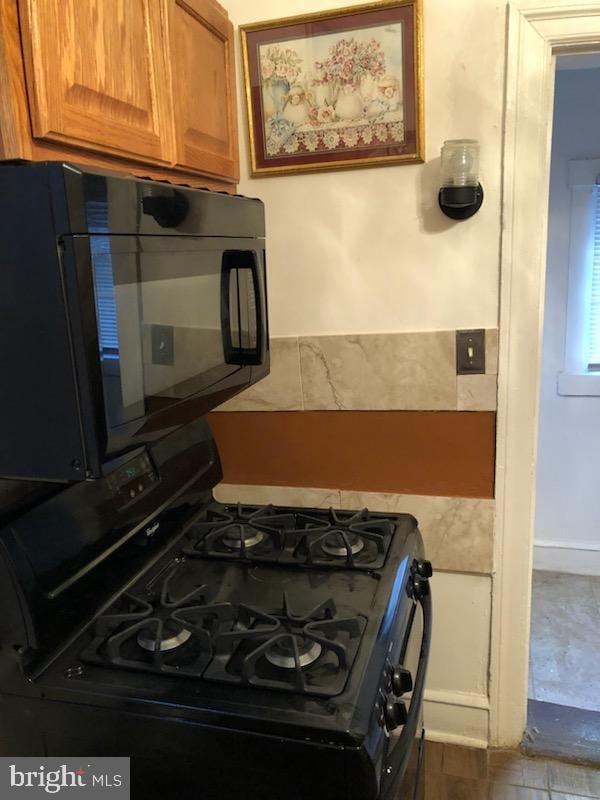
<point>459,773</point>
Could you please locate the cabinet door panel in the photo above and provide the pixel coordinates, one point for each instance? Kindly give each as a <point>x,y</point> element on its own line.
<point>203,87</point>
<point>96,75</point>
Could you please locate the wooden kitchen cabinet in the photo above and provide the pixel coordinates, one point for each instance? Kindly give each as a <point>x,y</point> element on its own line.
<point>96,75</point>
<point>203,87</point>
<point>145,86</point>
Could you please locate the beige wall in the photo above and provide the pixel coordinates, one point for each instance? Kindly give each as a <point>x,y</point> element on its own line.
<point>368,251</point>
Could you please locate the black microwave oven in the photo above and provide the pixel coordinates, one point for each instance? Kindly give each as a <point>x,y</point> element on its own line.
<point>128,308</point>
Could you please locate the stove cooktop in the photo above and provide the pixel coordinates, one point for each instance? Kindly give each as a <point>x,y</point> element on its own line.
<point>308,538</point>
<point>289,639</point>
<point>264,627</point>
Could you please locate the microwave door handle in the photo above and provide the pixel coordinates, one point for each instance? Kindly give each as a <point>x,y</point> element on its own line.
<point>260,310</point>
<point>236,261</point>
<point>395,767</point>
<point>230,351</point>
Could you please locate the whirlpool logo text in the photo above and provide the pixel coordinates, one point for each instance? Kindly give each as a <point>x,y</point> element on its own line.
<point>65,777</point>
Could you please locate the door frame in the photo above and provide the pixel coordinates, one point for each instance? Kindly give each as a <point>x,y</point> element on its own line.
<point>536,32</point>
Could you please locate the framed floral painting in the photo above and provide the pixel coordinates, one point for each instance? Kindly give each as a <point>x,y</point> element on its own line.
<point>335,89</point>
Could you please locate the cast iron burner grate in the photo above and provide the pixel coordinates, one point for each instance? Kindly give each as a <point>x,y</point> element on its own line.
<point>354,540</point>
<point>310,653</point>
<point>164,634</point>
<point>246,532</point>
<point>328,538</point>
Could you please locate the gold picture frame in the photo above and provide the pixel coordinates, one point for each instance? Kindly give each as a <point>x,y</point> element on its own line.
<point>347,92</point>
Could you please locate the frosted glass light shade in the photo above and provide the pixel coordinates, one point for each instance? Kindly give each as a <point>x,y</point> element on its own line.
<point>460,162</point>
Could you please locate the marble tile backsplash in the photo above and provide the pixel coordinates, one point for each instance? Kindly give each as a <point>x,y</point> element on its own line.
<point>458,531</point>
<point>381,371</point>
<point>476,392</point>
<point>409,371</point>
<point>278,495</point>
<point>281,390</point>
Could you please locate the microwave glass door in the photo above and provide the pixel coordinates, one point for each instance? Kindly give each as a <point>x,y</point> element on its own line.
<point>175,315</point>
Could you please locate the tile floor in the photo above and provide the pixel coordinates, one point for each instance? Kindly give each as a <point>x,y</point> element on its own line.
<point>459,773</point>
<point>565,640</point>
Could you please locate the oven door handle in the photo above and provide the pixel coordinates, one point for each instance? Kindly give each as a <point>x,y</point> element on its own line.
<point>236,261</point>
<point>396,766</point>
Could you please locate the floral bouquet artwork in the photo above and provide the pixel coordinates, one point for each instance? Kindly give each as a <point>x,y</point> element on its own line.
<point>346,98</point>
<point>279,70</point>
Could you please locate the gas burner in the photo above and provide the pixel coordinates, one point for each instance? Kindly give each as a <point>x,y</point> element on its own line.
<point>311,537</point>
<point>310,653</point>
<point>341,544</point>
<point>172,636</point>
<point>352,540</point>
<point>248,532</point>
<point>291,651</point>
<point>237,537</point>
<point>162,632</point>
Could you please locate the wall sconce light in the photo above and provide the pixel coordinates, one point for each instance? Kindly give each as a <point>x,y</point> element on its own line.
<point>461,194</point>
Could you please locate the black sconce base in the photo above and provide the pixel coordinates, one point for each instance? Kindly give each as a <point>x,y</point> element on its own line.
<point>460,202</point>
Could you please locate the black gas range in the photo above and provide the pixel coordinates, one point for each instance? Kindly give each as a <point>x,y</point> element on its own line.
<point>231,650</point>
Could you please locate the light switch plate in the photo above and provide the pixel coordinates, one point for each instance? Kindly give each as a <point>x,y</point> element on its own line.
<point>470,352</point>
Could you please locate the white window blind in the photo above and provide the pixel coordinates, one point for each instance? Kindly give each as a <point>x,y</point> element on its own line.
<point>594,307</point>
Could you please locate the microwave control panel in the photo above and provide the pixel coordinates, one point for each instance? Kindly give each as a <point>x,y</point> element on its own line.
<point>132,480</point>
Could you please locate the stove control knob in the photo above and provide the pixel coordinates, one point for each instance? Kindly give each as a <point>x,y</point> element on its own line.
<point>402,681</point>
<point>423,568</point>
<point>394,714</point>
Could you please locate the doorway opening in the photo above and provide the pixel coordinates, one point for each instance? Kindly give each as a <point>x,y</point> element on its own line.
<point>564,665</point>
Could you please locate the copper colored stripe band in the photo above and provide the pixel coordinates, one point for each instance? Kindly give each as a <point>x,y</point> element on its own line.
<point>412,452</point>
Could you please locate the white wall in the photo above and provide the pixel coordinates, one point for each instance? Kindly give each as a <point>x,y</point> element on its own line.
<point>368,250</point>
<point>568,482</point>
<point>456,694</point>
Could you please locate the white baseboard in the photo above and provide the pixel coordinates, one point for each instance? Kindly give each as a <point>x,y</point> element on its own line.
<point>578,558</point>
<point>457,718</point>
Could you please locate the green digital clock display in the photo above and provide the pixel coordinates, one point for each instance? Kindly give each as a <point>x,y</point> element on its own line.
<point>138,472</point>
<point>131,472</point>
